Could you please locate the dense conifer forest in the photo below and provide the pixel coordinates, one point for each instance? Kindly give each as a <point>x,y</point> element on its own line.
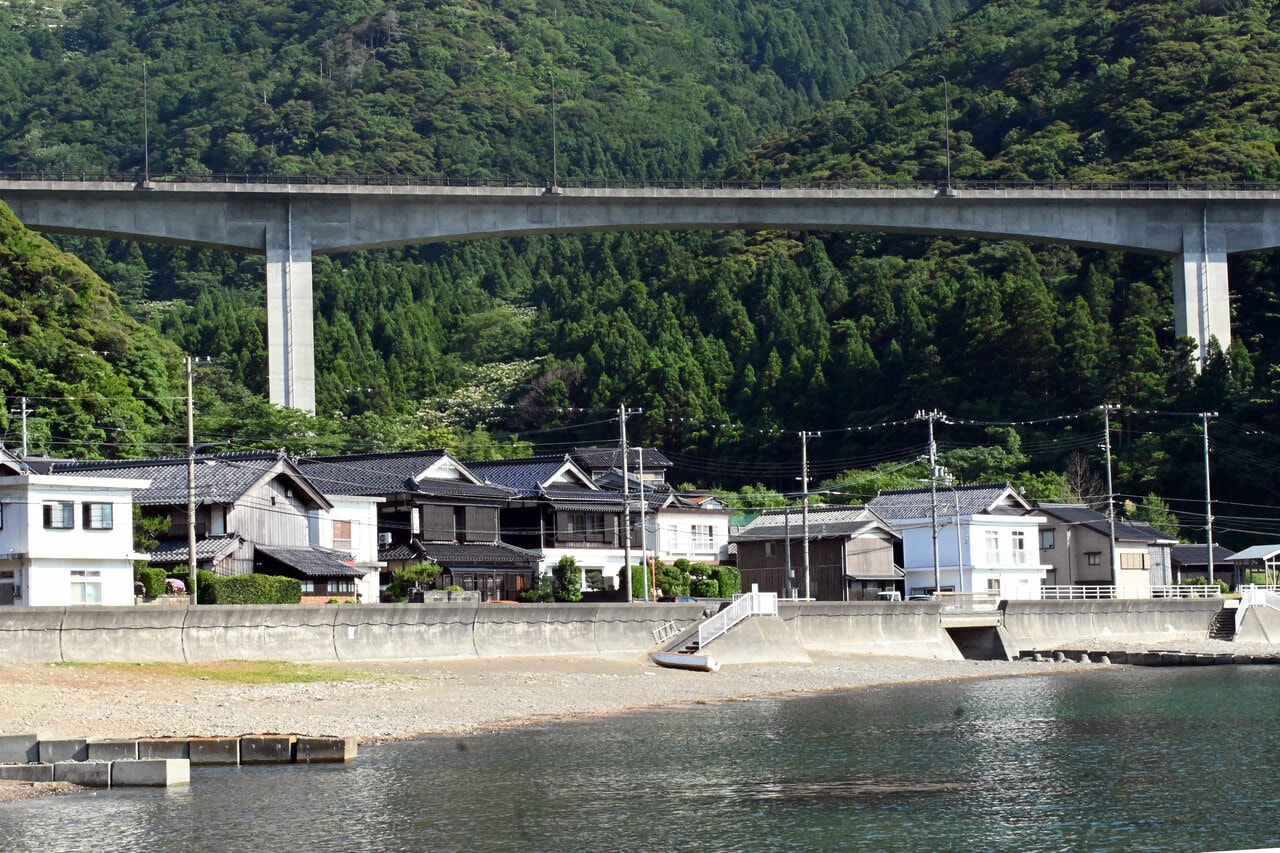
<point>730,343</point>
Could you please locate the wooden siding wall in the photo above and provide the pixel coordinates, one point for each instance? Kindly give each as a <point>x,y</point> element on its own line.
<point>828,561</point>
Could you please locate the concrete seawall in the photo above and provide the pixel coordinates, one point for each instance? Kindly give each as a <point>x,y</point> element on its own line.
<point>454,631</point>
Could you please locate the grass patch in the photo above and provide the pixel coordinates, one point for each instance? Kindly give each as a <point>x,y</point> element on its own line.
<point>236,671</point>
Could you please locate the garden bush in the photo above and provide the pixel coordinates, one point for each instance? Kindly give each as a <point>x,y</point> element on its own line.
<point>256,589</point>
<point>152,580</point>
<point>566,580</point>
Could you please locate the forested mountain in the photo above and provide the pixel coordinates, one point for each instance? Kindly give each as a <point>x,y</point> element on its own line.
<point>729,342</point>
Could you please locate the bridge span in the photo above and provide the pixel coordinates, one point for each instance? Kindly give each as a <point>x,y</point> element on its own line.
<point>290,220</point>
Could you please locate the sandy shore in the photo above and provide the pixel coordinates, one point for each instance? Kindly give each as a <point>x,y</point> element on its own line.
<point>395,700</point>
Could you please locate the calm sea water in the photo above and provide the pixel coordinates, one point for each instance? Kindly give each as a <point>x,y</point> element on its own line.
<point>1118,759</point>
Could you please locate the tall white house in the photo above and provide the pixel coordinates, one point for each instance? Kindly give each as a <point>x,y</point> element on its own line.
<point>65,539</point>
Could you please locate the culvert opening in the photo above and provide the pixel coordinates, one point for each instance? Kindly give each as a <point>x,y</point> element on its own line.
<point>981,643</point>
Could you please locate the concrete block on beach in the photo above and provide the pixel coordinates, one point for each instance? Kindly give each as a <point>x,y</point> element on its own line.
<point>164,747</point>
<point>19,749</point>
<point>91,774</point>
<point>267,749</point>
<point>113,749</point>
<point>325,750</point>
<point>26,772</point>
<point>210,751</point>
<point>151,773</point>
<point>54,750</point>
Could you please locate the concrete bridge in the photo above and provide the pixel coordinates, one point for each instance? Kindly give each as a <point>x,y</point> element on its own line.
<point>291,219</point>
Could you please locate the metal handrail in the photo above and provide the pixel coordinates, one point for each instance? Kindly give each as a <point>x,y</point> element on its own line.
<point>665,632</point>
<point>605,183</point>
<point>744,605</point>
<point>1099,593</point>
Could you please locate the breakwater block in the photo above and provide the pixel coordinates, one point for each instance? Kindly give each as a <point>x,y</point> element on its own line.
<point>267,749</point>
<point>325,750</point>
<point>210,751</point>
<point>63,749</point>
<point>26,772</point>
<point>113,749</point>
<point>164,747</point>
<point>91,774</point>
<point>19,749</point>
<point>151,773</point>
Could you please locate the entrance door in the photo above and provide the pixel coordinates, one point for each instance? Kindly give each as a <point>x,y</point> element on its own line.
<point>6,588</point>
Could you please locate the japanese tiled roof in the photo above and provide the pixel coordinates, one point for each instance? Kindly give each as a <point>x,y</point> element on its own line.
<point>463,555</point>
<point>598,458</point>
<point>1084,516</point>
<point>525,475</point>
<point>174,551</point>
<point>1198,555</point>
<point>391,473</point>
<point>312,562</point>
<point>220,479</point>
<point>824,523</point>
<point>979,499</point>
<point>583,500</point>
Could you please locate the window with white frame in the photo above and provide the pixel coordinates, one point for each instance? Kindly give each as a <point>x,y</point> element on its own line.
<point>1020,548</point>
<point>992,538</point>
<point>59,515</point>
<point>702,537</point>
<point>97,516</point>
<point>86,587</point>
<point>993,586</point>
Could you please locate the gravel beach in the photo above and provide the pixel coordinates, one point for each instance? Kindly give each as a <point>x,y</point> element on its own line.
<point>403,699</point>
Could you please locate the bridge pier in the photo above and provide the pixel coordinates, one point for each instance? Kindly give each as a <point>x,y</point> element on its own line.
<point>1201,298</point>
<point>291,350</point>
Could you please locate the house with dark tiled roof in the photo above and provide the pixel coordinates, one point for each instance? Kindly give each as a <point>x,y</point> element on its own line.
<point>65,539</point>
<point>558,510</point>
<point>434,509</point>
<point>1192,561</point>
<point>983,536</point>
<point>851,554</point>
<point>648,463</point>
<point>1075,541</point>
<point>243,502</point>
<point>672,526</point>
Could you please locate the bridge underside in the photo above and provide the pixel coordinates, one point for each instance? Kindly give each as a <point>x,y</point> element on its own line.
<point>290,223</point>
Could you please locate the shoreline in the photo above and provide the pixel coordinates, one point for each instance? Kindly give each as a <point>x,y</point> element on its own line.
<point>386,701</point>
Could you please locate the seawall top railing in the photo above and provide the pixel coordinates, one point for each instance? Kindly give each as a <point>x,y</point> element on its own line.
<point>617,183</point>
<point>1105,593</point>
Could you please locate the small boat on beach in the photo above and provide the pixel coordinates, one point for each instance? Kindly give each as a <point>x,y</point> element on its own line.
<point>685,660</point>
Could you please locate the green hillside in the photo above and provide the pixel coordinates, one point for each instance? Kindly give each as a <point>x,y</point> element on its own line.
<point>729,342</point>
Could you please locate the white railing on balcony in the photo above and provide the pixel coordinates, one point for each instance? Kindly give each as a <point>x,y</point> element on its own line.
<point>743,605</point>
<point>1098,593</point>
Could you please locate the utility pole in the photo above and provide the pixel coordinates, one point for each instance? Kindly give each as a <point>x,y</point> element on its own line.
<point>623,414</point>
<point>191,484</point>
<point>1111,498</point>
<point>786,529</point>
<point>25,410</point>
<point>644,559</point>
<point>804,483</point>
<point>1208,496</point>
<point>933,494</point>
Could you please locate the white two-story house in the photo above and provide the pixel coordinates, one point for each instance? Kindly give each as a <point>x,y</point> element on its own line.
<point>987,539</point>
<point>64,539</point>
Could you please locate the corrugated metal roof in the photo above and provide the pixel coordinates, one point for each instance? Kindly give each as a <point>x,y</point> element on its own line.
<point>1256,552</point>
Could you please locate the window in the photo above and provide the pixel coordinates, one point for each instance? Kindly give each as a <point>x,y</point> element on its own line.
<point>97,516</point>
<point>1046,540</point>
<point>1093,558</point>
<point>1130,560</point>
<point>341,535</point>
<point>993,547</point>
<point>702,538</point>
<point>86,587</point>
<point>771,549</point>
<point>584,526</point>
<point>1020,548</point>
<point>993,586</point>
<point>59,515</point>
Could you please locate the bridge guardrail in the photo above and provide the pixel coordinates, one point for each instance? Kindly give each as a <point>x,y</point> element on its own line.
<point>603,183</point>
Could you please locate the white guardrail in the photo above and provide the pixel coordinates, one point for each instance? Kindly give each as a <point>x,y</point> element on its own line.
<point>744,605</point>
<point>1260,596</point>
<point>1099,593</point>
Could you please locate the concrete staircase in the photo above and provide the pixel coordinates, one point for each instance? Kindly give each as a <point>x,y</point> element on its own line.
<point>1223,626</point>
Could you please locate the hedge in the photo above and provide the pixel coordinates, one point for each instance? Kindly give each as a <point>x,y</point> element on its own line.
<point>152,580</point>
<point>254,589</point>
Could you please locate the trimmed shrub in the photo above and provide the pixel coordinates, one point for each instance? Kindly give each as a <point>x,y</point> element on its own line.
<point>152,580</point>
<point>257,589</point>
<point>566,580</point>
<point>540,594</point>
<point>206,587</point>
<point>705,588</point>
<point>417,576</point>
<point>729,580</point>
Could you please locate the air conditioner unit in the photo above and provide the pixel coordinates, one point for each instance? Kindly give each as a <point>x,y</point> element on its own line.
<point>384,538</point>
